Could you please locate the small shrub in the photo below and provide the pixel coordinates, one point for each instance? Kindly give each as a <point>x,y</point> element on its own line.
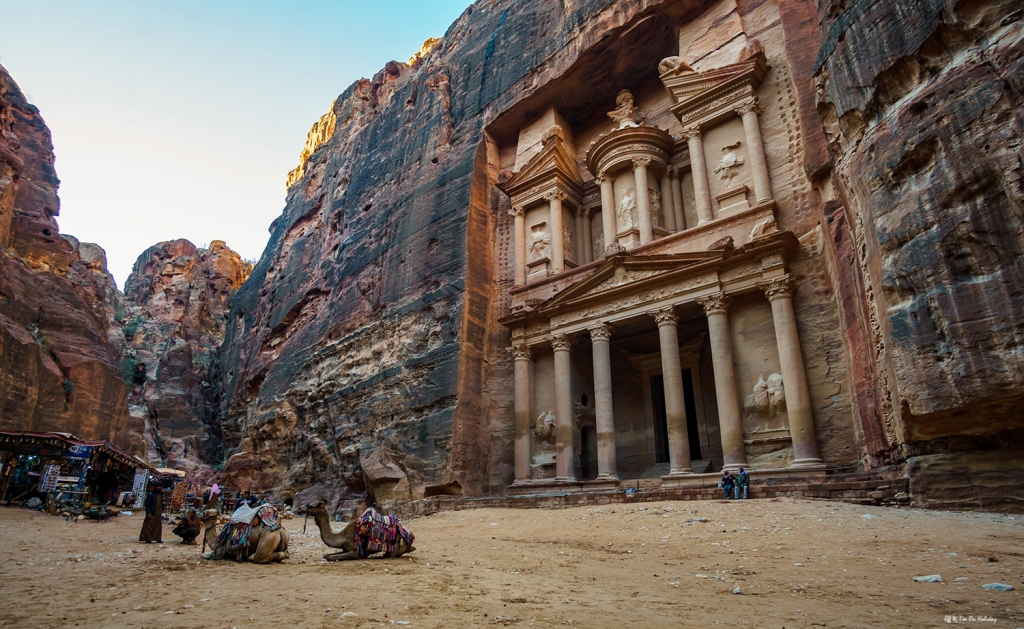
<point>128,369</point>
<point>119,315</point>
<point>69,387</point>
<point>45,344</point>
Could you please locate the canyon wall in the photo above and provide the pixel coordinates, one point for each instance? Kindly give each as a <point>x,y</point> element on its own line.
<point>922,107</point>
<point>58,362</point>
<point>173,315</point>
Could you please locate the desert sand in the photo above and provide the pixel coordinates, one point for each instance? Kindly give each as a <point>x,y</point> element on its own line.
<point>671,564</point>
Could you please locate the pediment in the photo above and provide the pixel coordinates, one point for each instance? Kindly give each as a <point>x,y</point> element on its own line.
<point>623,272</point>
<point>553,162</point>
<point>692,90</point>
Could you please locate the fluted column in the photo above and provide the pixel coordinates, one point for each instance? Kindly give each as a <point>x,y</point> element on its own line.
<point>555,199</point>
<point>587,238</point>
<point>643,200</point>
<point>698,168</point>
<point>677,200</point>
<point>755,149</point>
<point>794,379</point>
<point>521,354</point>
<point>667,208</point>
<point>565,453</point>
<point>600,336</point>
<point>729,418</point>
<point>608,222</point>
<point>675,406</point>
<point>519,272</point>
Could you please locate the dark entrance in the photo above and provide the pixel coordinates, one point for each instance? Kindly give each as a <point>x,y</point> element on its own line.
<point>691,416</point>
<point>660,420</point>
<point>588,452</point>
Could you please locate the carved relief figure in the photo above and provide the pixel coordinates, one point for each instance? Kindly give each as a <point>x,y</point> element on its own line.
<point>600,243</point>
<point>769,397</point>
<point>566,239</point>
<point>656,214</point>
<point>545,426</point>
<point>625,214</point>
<point>539,242</point>
<point>625,114</point>
<point>730,162</point>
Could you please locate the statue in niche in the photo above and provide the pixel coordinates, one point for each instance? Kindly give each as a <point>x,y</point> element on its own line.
<point>566,239</point>
<point>625,114</point>
<point>539,242</point>
<point>675,65</point>
<point>769,397</point>
<point>545,426</point>
<point>730,162</point>
<point>555,131</point>
<point>626,212</point>
<point>656,216</point>
<point>600,243</point>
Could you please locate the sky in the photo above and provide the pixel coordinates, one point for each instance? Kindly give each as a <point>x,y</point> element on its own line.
<point>181,118</point>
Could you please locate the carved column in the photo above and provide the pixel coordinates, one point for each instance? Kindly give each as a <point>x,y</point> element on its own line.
<point>608,222</point>
<point>729,418</point>
<point>667,208</point>
<point>798,400</point>
<point>587,239</point>
<point>600,335</point>
<point>755,149</point>
<point>521,354</point>
<point>555,199</point>
<point>701,187</point>
<point>577,236</point>
<point>675,406</point>
<point>565,453</point>
<point>519,272</point>
<point>677,200</point>
<point>643,200</point>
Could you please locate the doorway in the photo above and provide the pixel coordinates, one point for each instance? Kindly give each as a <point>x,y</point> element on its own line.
<point>692,432</point>
<point>660,419</point>
<point>588,452</point>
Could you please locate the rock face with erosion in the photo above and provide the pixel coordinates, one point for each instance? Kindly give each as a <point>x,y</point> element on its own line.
<point>926,206</point>
<point>58,364</point>
<point>175,308</point>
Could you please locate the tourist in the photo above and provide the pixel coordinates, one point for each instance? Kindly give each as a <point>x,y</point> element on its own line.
<point>152,526</point>
<point>742,481</point>
<point>188,527</point>
<point>728,481</point>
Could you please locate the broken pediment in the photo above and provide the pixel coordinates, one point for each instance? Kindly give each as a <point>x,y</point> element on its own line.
<point>703,97</point>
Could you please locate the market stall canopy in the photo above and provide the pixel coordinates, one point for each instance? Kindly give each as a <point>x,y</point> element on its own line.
<point>62,444</point>
<point>166,471</point>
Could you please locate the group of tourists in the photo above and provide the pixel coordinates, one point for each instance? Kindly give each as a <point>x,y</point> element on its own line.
<point>731,484</point>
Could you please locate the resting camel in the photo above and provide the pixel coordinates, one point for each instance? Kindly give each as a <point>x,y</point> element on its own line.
<point>265,546</point>
<point>345,539</point>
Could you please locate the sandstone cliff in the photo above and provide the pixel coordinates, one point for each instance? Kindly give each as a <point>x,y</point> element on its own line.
<point>922,105</point>
<point>58,365</point>
<point>173,316</point>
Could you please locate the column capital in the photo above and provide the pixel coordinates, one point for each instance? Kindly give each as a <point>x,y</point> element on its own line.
<point>519,351</point>
<point>583,211</point>
<point>641,162</point>
<point>691,132</point>
<point>555,195</point>
<point>715,304</point>
<point>673,172</point>
<point>601,332</point>
<point>561,343</point>
<point>517,210</point>
<point>600,179</point>
<point>778,288</point>
<point>664,316</point>
<point>750,106</point>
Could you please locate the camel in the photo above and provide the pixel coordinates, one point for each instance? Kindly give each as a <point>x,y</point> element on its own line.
<point>345,539</point>
<point>265,546</point>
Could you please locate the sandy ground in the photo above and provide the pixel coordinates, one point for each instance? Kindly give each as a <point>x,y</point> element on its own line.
<point>670,564</point>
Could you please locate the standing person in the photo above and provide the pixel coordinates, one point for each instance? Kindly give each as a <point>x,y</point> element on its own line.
<point>211,496</point>
<point>246,500</point>
<point>728,482</point>
<point>742,481</point>
<point>152,526</point>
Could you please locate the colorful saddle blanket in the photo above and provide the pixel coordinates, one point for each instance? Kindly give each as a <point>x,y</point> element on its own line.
<point>379,533</point>
<point>235,535</point>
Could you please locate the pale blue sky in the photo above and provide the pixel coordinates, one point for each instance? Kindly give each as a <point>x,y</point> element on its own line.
<point>181,119</point>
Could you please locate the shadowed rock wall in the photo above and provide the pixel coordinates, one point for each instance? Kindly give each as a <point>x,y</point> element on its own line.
<point>58,365</point>
<point>922,104</point>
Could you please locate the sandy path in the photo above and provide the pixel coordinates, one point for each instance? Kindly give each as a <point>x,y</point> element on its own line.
<point>801,564</point>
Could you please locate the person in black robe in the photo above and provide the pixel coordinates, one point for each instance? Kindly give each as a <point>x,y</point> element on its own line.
<point>152,526</point>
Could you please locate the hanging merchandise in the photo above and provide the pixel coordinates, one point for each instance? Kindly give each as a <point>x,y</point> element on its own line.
<point>48,481</point>
<point>139,487</point>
